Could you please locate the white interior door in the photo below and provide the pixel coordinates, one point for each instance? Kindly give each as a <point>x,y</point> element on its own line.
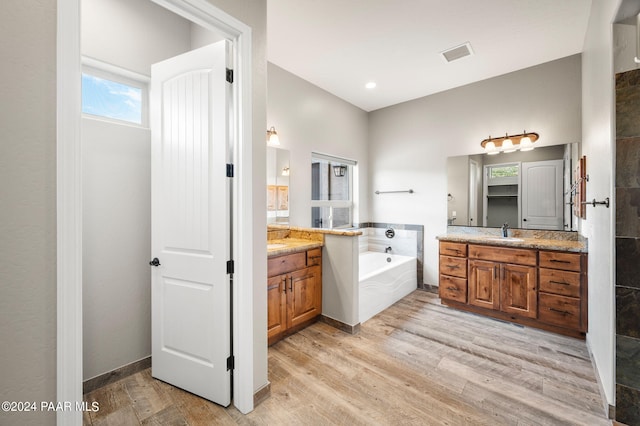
<point>542,187</point>
<point>474,179</point>
<point>190,223</point>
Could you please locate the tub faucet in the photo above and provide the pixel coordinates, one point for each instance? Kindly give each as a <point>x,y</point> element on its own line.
<point>505,230</point>
<point>387,250</point>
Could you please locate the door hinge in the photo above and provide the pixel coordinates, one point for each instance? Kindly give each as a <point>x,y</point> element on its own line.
<point>229,170</point>
<point>231,363</point>
<point>230,266</point>
<point>229,75</point>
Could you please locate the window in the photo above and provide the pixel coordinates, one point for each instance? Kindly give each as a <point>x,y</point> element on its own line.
<point>111,95</point>
<point>510,170</point>
<point>331,191</point>
<point>503,174</point>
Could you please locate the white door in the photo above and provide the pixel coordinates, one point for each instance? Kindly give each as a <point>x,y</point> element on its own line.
<point>190,223</point>
<point>542,187</point>
<point>474,188</point>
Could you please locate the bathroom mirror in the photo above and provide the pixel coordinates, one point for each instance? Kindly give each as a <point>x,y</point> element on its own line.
<point>474,200</point>
<point>277,185</point>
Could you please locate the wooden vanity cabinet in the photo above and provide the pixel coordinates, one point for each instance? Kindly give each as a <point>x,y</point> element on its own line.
<point>540,288</point>
<point>562,295</point>
<point>503,279</point>
<point>294,292</point>
<point>453,271</point>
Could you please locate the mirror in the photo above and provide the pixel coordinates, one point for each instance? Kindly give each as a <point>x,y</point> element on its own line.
<point>278,172</point>
<point>524,189</point>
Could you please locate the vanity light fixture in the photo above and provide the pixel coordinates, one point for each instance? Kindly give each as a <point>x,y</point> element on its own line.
<point>272,137</point>
<point>285,171</point>
<point>506,143</point>
<point>339,171</point>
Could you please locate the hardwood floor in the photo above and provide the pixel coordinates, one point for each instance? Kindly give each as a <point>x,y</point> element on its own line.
<point>416,363</point>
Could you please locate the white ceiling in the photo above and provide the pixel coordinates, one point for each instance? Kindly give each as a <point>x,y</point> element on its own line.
<point>339,45</point>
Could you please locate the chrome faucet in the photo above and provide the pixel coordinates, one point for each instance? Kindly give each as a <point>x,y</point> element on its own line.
<point>505,228</point>
<point>388,249</point>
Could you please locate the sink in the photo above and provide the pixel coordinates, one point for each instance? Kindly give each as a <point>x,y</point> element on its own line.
<point>275,246</point>
<point>511,239</point>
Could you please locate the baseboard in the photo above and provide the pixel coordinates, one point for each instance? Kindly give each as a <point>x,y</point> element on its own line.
<point>429,288</point>
<point>351,329</point>
<point>115,375</point>
<point>261,395</point>
<point>609,410</point>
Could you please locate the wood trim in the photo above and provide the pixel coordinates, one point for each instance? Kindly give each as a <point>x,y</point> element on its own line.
<point>68,211</point>
<point>342,326</point>
<point>262,394</point>
<point>115,375</point>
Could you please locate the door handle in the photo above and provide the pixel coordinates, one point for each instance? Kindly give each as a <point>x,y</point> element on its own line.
<point>291,284</point>
<point>284,279</point>
<point>155,262</point>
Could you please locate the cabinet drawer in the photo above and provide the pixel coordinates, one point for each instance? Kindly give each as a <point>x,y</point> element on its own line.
<point>448,248</point>
<point>455,266</point>
<point>314,257</point>
<point>560,260</point>
<point>287,263</point>
<point>560,282</point>
<point>504,255</point>
<point>453,288</point>
<point>559,310</point>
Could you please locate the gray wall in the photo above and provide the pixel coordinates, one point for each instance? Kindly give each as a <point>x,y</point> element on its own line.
<point>410,142</point>
<point>309,119</point>
<point>28,213</point>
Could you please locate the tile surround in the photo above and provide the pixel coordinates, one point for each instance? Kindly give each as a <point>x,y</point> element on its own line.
<point>408,241</point>
<point>627,264</point>
<point>627,201</point>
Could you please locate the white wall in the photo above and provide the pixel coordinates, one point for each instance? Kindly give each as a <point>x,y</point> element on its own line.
<point>309,119</point>
<point>132,34</point>
<point>28,213</point>
<point>116,238</point>
<point>410,142</point>
<point>598,129</point>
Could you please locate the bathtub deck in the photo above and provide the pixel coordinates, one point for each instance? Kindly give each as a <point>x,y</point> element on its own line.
<point>418,363</point>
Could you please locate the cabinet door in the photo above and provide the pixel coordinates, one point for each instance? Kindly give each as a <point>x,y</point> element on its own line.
<point>484,284</point>
<point>304,295</point>
<point>518,290</point>
<point>276,307</point>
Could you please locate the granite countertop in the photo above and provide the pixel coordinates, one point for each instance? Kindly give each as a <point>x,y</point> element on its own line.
<point>518,242</point>
<point>290,245</point>
<point>284,239</point>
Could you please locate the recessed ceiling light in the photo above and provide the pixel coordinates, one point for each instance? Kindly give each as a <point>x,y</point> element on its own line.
<point>370,85</point>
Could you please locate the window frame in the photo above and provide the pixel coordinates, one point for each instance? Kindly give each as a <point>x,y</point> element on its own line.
<point>333,204</point>
<point>99,69</point>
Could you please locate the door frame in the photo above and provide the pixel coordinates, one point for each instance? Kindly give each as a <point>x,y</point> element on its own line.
<point>69,198</point>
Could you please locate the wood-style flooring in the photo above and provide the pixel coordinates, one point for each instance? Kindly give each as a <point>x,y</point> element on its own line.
<point>417,363</point>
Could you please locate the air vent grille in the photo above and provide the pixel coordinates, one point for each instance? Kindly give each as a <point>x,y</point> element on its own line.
<point>457,52</point>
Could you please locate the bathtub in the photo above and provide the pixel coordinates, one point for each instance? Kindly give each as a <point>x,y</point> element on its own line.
<point>382,283</point>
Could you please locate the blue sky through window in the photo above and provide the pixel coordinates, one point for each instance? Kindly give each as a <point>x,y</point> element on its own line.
<point>106,98</point>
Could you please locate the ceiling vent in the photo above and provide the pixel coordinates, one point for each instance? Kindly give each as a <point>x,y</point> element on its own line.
<point>457,52</point>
